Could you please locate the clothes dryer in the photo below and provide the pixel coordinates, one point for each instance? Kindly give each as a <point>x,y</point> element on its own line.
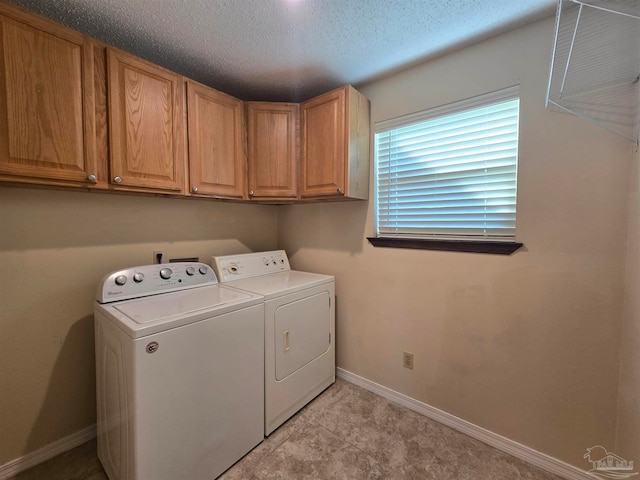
<point>299,326</point>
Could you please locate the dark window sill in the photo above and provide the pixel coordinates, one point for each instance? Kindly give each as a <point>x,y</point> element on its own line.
<point>471,246</point>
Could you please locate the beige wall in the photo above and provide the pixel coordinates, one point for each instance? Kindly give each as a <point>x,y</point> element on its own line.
<point>525,345</point>
<point>54,249</point>
<point>628,434</point>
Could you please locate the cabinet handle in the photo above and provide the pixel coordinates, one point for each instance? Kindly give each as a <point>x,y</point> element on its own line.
<point>194,189</point>
<point>117,179</point>
<point>340,191</point>
<point>251,193</point>
<point>92,178</point>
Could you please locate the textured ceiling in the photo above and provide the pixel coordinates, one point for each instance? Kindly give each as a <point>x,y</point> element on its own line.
<point>291,50</point>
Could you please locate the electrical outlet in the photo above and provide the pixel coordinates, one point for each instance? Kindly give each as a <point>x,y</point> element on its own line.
<point>158,255</point>
<point>407,360</point>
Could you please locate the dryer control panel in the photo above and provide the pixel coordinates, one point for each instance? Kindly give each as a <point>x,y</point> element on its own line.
<point>247,265</point>
<point>152,279</point>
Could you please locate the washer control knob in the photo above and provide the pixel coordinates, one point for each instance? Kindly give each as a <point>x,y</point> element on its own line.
<point>190,271</point>
<point>203,270</point>
<point>121,280</point>
<point>165,273</point>
<point>233,268</point>
<point>138,277</point>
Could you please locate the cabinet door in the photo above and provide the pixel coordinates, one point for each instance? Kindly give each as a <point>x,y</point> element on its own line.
<point>47,125</point>
<point>146,105</point>
<point>216,142</point>
<point>323,139</point>
<point>272,134</point>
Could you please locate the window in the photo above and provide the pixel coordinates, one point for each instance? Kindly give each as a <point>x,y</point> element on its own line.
<point>447,176</point>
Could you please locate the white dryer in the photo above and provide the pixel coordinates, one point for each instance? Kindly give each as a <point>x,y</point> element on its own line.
<point>179,369</point>
<point>299,326</point>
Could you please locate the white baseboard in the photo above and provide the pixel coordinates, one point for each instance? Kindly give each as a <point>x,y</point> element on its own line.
<point>43,454</point>
<point>527,454</point>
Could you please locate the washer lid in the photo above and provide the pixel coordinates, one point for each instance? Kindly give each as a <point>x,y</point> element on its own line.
<point>281,283</point>
<point>156,313</point>
<point>177,304</point>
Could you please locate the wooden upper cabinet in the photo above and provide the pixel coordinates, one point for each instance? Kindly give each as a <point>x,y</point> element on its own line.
<point>272,143</point>
<point>323,120</point>
<point>74,112</point>
<point>335,140</point>
<point>216,142</point>
<point>146,128</point>
<point>47,120</point>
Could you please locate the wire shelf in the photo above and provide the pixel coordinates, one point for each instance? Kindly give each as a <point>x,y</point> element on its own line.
<point>595,67</point>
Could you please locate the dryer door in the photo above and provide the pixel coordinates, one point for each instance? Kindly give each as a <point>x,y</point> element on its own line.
<point>302,333</point>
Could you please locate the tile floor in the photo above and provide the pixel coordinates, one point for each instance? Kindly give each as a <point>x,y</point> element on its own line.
<point>346,433</point>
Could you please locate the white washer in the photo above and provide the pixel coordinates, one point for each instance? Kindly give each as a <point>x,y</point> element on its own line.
<point>179,367</point>
<point>299,328</point>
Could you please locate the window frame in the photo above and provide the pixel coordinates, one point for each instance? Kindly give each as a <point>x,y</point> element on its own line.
<point>501,246</point>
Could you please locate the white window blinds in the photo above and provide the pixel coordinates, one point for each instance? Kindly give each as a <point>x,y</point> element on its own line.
<point>450,172</point>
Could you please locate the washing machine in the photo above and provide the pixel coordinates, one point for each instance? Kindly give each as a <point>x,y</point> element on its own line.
<point>179,369</point>
<point>299,328</point>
